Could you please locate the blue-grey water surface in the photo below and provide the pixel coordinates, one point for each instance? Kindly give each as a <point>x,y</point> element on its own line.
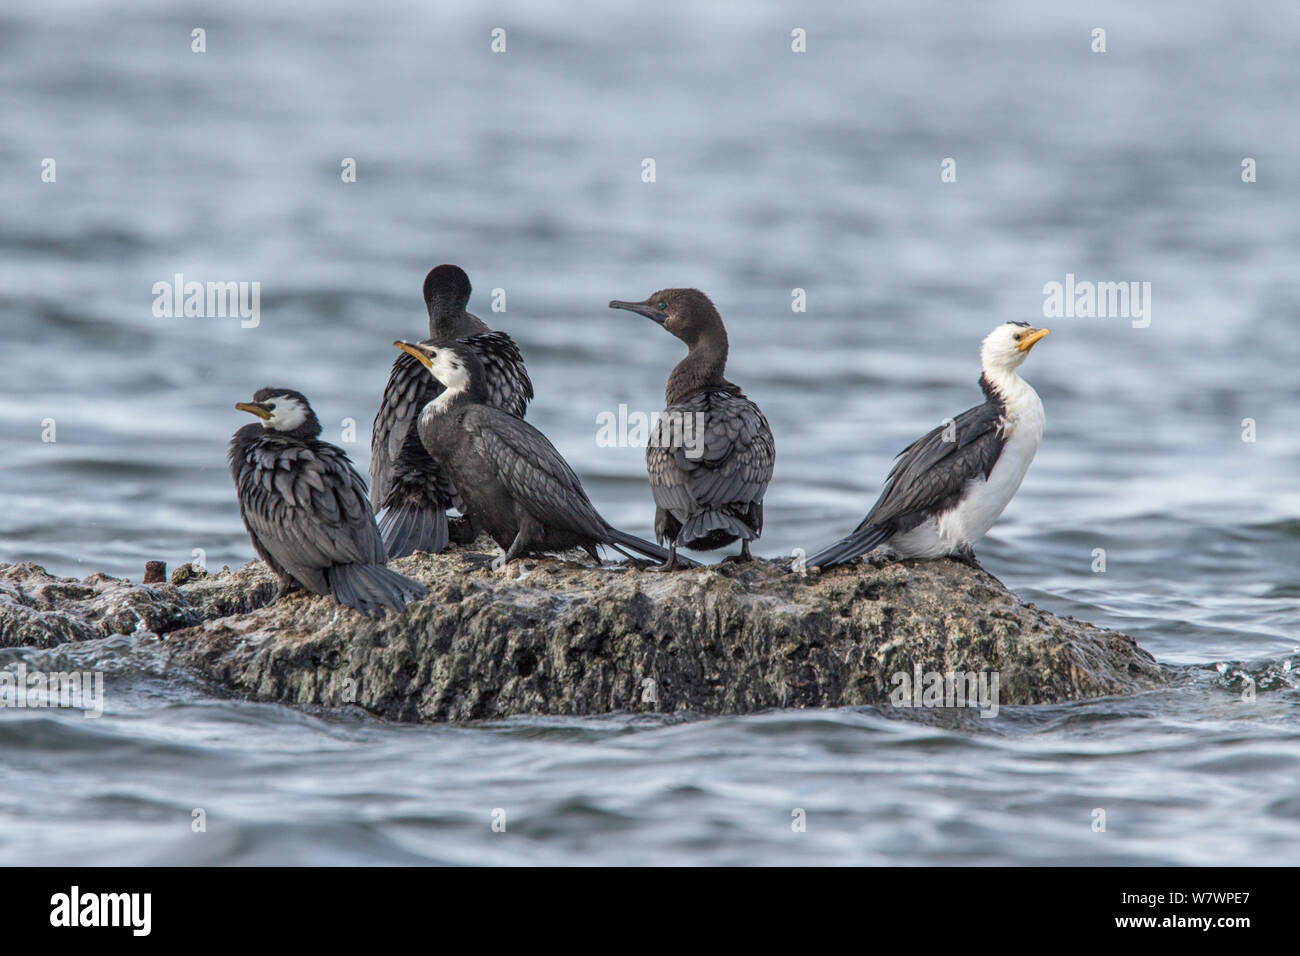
<point>774,171</point>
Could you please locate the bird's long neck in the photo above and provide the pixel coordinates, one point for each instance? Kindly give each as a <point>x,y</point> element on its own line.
<point>702,368</point>
<point>439,423</point>
<point>1020,409</point>
<point>470,391</point>
<point>446,319</point>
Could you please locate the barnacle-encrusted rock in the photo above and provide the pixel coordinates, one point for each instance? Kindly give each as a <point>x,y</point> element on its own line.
<point>563,637</point>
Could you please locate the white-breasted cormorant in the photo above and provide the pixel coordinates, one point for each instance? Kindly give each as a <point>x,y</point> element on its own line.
<point>305,508</point>
<point>711,452</point>
<point>512,481</point>
<point>947,488</point>
<point>407,489</point>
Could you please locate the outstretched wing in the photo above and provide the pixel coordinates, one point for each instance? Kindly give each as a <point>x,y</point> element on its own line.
<point>932,471</point>
<point>712,450</point>
<point>533,472</point>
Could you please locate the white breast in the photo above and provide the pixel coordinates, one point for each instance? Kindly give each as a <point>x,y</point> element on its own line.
<point>984,500</point>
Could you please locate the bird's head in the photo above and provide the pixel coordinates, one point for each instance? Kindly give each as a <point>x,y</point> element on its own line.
<point>283,410</point>
<point>455,366</point>
<point>686,313</point>
<point>1007,346</point>
<point>446,291</point>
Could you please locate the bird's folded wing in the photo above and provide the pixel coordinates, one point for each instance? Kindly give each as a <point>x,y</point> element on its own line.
<point>933,469</point>
<point>410,387</point>
<point>509,387</point>
<point>712,450</point>
<point>532,470</point>
<point>308,507</point>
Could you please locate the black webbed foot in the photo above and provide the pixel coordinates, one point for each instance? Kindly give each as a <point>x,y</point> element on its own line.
<point>672,564</point>
<point>739,558</point>
<point>967,557</point>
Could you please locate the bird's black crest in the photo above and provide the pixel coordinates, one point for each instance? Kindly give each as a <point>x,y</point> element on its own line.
<point>263,394</point>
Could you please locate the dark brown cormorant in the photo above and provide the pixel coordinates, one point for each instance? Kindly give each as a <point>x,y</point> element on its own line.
<point>711,452</point>
<point>407,490</point>
<point>306,511</point>
<point>948,487</point>
<point>513,482</point>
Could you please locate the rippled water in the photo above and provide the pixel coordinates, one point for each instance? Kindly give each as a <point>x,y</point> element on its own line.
<point>775,171</point>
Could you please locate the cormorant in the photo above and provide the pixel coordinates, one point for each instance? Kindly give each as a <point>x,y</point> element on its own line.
<point>513,482</point>
<point>305,508</point>
<point>407,490</point>
<point>711,452</point>
<point>947,488</point>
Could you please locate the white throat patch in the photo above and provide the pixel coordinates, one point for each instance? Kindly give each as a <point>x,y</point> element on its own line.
<point>286,415</point>
<point>999,355</point>
<point>448,368</point>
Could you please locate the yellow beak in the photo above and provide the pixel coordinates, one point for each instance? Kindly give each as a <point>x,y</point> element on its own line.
<point>414,352</point>
<point>1029,338</point>
<point>261,411</point>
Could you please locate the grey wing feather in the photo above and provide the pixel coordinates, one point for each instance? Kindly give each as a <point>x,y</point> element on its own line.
<point>395,449</point>
<point>932,470</point>
<point>308,507</point>
<point>509,387</point>
<point>534,473</point>
<point>731,463</point>
<point>409,389</point>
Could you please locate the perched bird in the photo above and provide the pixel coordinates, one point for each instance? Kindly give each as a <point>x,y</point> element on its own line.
<point>407,489</point>
<point>947,488</point>
<point>514,484</point>
<point>305,508</point>
<point>711,451</point>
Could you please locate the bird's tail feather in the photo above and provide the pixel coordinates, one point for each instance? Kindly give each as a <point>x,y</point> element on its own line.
<point>846,549</point>
<point>373,589</point>
<point>706,522</point>
<point>408,526</point>
<point>643,547</point>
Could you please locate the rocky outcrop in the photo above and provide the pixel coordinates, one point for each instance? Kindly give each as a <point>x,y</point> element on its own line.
<point>38,609</point>
<point>563,637</point>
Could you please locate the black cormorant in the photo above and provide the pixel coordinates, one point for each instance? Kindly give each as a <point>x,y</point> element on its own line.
<point>711,452</point>
<point>947,488</point>
<point>513,482</point>
<point>306,511</point>
<point>407,490</point>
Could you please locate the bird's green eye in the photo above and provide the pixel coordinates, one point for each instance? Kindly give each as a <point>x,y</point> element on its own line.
<point>663,306</point>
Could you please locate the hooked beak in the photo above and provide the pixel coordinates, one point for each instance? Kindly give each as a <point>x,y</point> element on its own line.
<point>416,352</point>
<point>640,308</point>
<point>1029,338</point>
<point>254,408</point>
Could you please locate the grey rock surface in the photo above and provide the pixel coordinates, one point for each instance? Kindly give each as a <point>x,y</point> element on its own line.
<point>559,636</point>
